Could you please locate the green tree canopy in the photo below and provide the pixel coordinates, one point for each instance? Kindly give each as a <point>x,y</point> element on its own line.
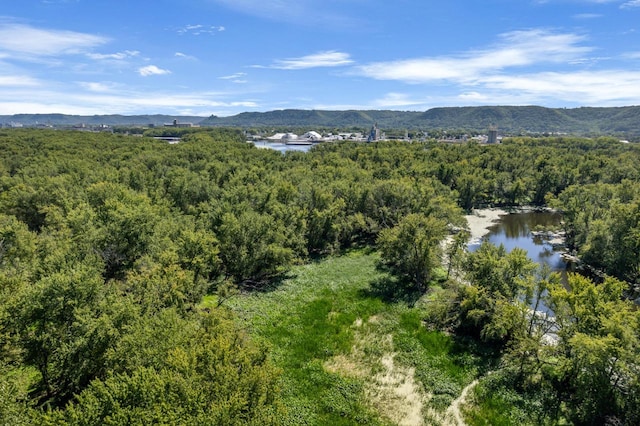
<point>411,250</point>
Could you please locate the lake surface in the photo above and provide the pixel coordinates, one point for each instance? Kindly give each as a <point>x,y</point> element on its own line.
<point>282,147</point>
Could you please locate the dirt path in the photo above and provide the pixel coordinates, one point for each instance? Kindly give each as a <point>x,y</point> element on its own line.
<point>391,388</point>
<point>396,394</point>
<point>453,415</point>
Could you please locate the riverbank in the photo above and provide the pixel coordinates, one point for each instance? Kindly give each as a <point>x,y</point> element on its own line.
<point>480,220</point>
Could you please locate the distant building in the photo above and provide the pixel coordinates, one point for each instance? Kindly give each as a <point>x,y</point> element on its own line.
<point>312,136</point>
<point>493,135</point>
<point>277,137</point>
<point>374,133</point>
<point>181,125</point>
<point>283,137</point>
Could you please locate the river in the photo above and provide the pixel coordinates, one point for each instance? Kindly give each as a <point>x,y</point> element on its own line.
<point>514,230</point>
<point>282,147</point>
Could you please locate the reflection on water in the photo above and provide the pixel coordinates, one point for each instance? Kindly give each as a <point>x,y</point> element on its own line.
<point>514,230</point>
<point>282,147</point>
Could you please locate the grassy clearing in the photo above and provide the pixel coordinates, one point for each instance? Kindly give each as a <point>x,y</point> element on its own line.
<point>347,356</point>
<point>495,402</point>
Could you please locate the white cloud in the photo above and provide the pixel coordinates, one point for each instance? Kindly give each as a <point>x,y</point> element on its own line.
<point>553,89</point>
<point>184,56</point>
<point>394,100</point>
<point>100,87</point>
<point>630,4</point>
<point>152,70</point>
<point>237,78</point>
<point>625,4</point>
<point>587,16</point>
<point>17,80</point>
<point>584,87</point>
<point>199,29</point>
<point>299,12</point>
<point>330,58</point>
<point>473,97</point>
<point>517,49</point>
<point>233,76</point>
<point>115,99</point>
<point>190,28</point>
<point>25,40</point>
<point>526,67</point>
<point>119,56</point>
<point>272,9</point>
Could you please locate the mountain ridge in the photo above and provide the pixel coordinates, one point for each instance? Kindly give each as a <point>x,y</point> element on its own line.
<point>57,119</point>
<point>508,119</point>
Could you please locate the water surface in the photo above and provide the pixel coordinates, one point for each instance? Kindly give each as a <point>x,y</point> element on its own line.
<point>514,230</point>
<point>282,147</point>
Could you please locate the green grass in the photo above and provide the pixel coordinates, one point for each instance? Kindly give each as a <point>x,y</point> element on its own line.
<point>497,403</point>
<point>310,318</point>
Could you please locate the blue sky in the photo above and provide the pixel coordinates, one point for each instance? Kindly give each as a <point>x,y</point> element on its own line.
<point>222,57</point>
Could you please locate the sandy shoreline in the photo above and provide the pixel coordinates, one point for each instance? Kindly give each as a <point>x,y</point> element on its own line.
<point>481,220</point>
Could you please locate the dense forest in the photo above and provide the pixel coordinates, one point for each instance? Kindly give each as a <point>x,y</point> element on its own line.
<point>211,282</point>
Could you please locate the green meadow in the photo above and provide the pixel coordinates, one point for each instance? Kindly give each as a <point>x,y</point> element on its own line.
<point>346,355</point>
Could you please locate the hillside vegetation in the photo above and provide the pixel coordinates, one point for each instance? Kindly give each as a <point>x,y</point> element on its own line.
<point>508,119</point>
<point>96,120</point>
<point>513,120</point>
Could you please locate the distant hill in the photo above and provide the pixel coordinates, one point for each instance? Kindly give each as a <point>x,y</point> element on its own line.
<point>509,119</point>
<point>624,121</point>
<point>317,118</point>
<point>95,120</point>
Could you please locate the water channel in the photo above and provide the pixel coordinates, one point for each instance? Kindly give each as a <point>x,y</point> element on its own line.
<point>282,147</point>
<point>515,230</point>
